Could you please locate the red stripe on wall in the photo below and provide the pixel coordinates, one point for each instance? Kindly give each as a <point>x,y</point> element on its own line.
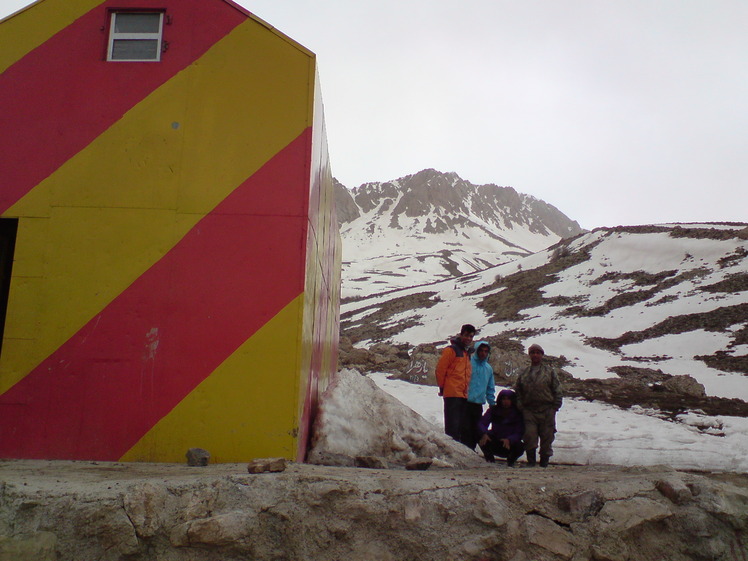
<point>99,393</point>
<point>62,95</point>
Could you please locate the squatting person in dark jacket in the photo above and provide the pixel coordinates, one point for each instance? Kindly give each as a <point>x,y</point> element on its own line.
<point>539,396</point>
<point>502,428</point>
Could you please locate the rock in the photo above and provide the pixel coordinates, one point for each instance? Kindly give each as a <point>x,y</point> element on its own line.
<point>36,546</point>
<point>621,516</point>
<point>358,357</point>
<point>419,464</point>
<point>379,357</point>
<point>477,545</point>
<point>144,505</point>
<point>197,457</point>
<point>371,462</point>
<point>384,349</point>
<point>489,509</point>
<point>332,513</point>
<point>421,368</point>
<point>675,490</point>
<point>731,504</point>
<point>550,536</point>
<point>685,385</point>
<point>220,530</point>
<point>264,465</point>
<point>345,344</point>
<point>582,505</point>
<point>610,550</point>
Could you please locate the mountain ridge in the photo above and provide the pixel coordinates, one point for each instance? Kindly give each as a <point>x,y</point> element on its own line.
<point>436,226</point>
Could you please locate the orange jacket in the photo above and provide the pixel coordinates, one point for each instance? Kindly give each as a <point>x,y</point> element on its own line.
<point>453,371</point>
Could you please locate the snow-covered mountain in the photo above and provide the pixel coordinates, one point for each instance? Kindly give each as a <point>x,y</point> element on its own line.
<point>432,226</point>
<point>670,297</point>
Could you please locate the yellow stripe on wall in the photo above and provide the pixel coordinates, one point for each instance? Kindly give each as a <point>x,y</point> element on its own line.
<point>18,37</point>
<point>244,409</point>
<point>119,205</point>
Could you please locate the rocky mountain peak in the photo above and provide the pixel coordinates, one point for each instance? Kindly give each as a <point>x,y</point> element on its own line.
<point>449,222</point>
<point>457,202</point>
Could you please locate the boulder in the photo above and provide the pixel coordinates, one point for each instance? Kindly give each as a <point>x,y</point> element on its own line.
<point>685,385</point>
<point>548,535</point>
<point>625,515</point>
<point>582,505</point>
<point>421,368</point>
<point>197,457</point>
<point>675,490</point>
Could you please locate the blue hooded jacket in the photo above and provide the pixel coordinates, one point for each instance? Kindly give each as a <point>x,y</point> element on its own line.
<point>482,385</point>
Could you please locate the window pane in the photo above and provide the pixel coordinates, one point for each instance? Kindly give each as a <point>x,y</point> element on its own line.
<point>130,49</point>
<point>137,23</point>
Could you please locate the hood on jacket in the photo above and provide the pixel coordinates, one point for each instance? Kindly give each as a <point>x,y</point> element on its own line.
<point>477,345</point>
<point>460,349</point>
<point>504,393</point>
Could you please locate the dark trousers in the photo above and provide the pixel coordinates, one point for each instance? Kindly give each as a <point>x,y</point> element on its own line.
<point>495,448</point>
<point>473,415</point>
<point>455,417</point>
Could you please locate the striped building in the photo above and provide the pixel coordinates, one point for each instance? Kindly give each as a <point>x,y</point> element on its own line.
<point>169,250</point>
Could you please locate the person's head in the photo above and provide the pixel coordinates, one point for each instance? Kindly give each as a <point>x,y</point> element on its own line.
<point>536,353</point>
<point>506,399</point>
<point>467,332</point>
<point>483,351</point>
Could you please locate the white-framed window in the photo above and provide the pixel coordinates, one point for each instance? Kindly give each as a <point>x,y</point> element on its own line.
<point>135,36</point>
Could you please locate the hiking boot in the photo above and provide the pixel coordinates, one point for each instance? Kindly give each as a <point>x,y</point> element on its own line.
<point>511,459</point>
<point>489,457</point>
<point>544,461</point>
<point>530,458</point>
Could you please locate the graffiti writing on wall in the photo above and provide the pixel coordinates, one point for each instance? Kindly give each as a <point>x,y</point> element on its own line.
<point>418,371</point>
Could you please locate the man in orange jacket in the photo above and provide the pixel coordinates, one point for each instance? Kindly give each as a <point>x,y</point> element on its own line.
<point>453,378</point>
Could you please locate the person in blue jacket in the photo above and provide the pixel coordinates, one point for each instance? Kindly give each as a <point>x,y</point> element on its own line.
<point>481,390</point>
<point>502,428</point>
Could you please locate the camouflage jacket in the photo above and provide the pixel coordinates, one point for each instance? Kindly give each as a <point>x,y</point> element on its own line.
<point>539,390</point>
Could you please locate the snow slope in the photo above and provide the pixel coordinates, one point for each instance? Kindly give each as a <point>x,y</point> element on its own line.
<point>669,297</point>
<point>597,433</point>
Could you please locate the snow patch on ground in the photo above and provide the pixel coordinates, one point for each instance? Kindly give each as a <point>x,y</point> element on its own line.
<point>597,433</point>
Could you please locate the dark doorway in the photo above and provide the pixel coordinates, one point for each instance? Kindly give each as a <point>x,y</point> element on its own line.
<point>8,230</point>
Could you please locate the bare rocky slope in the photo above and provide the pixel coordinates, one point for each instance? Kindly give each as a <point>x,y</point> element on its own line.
<point>76,511</point>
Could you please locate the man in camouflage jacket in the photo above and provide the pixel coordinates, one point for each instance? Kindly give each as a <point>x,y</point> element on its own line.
<point>539,396</point>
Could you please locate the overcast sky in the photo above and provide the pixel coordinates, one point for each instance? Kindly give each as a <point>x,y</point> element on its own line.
<point>614,111</point>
